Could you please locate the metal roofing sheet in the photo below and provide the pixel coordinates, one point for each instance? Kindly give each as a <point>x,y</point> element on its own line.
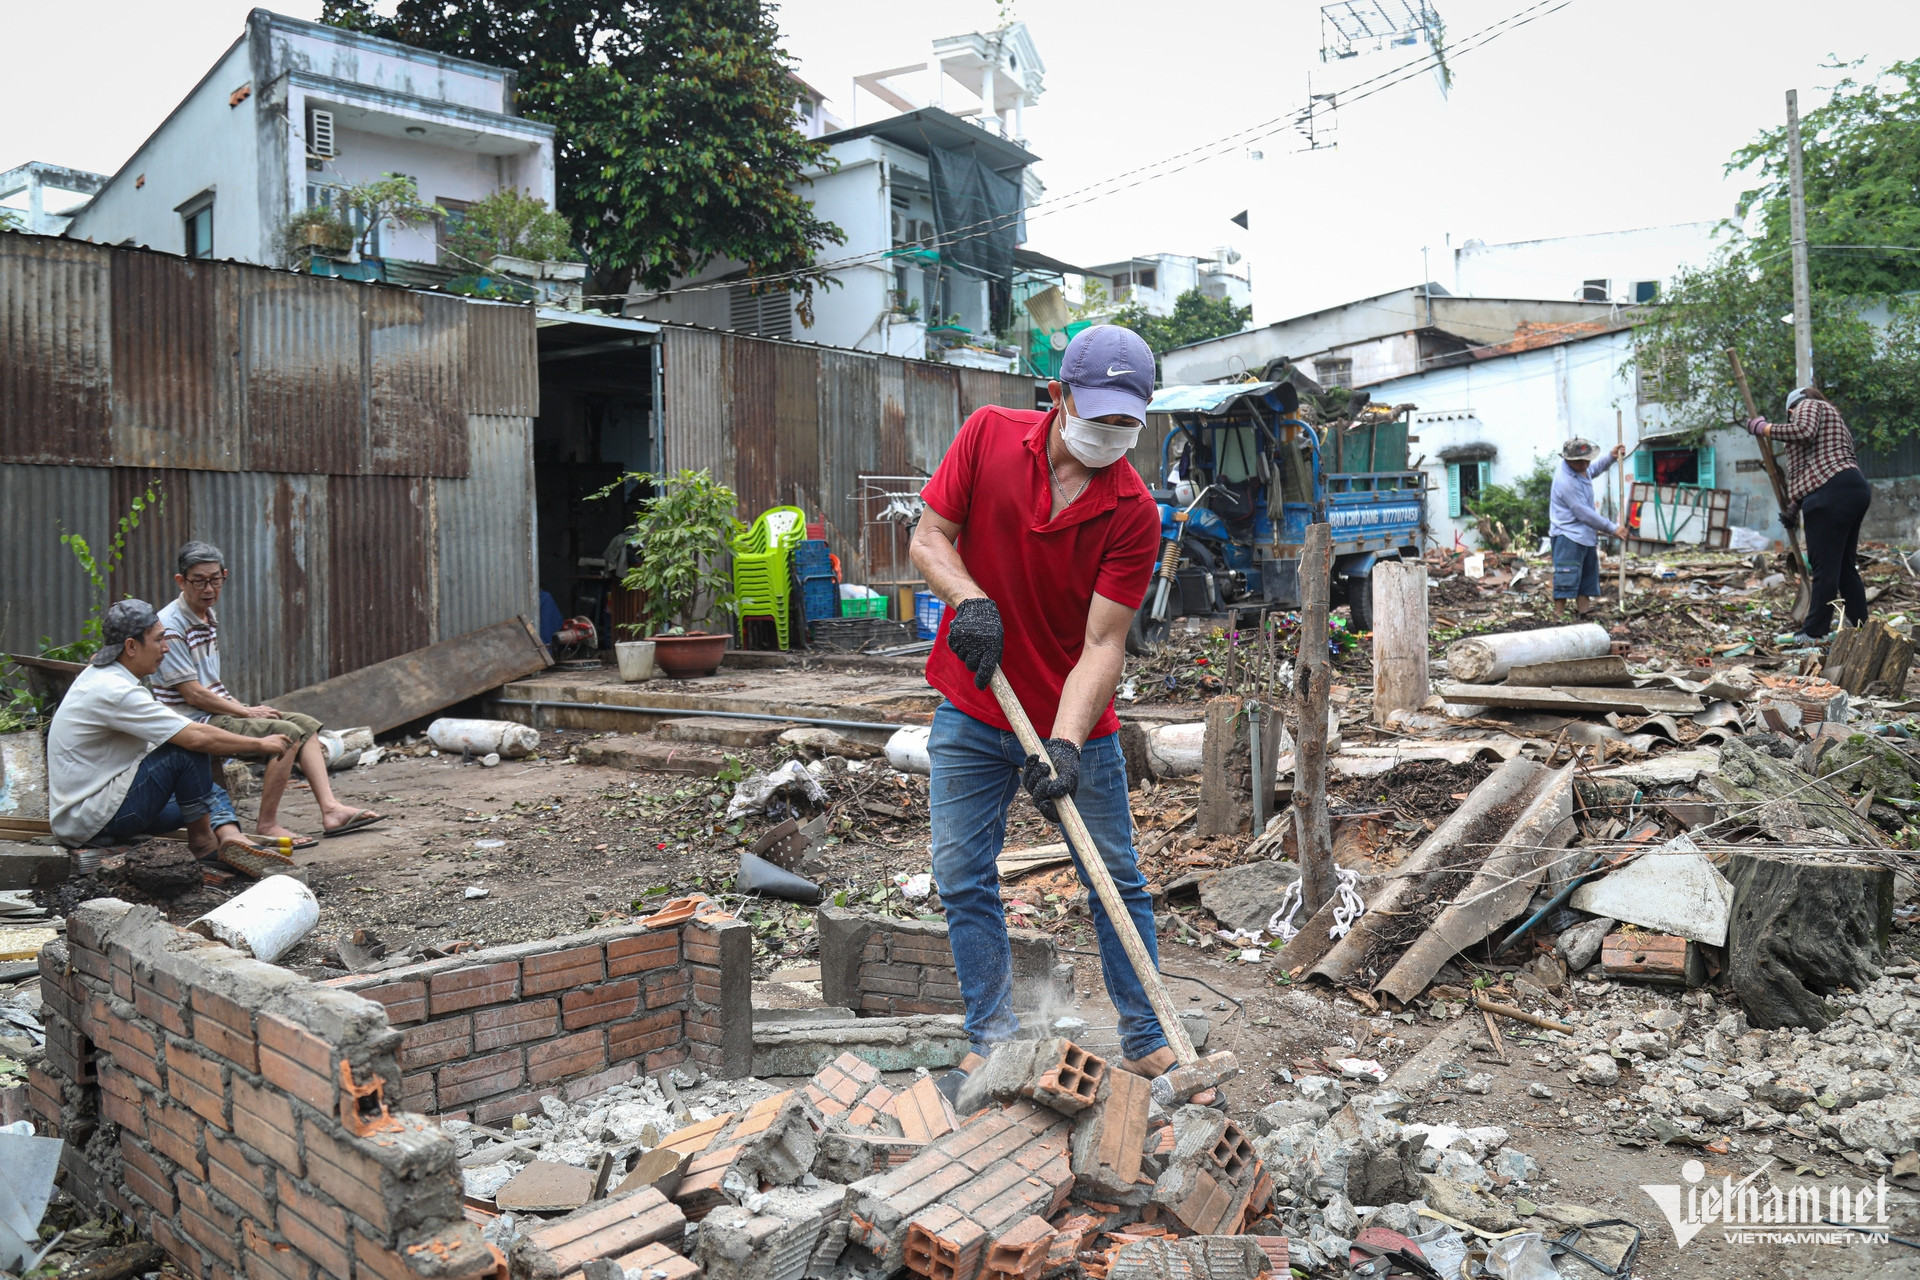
<point>416,375</point>
<point>174,399</point>
<point>43,591</point>
<point>54,345</point>
<point>503,364</point>
<point>381,570</point>
<point>849,428</point>
<point>756,470</point>
<point>303,371</point>
<point>697,403</point>
<point>1206,398</point>
<point>273,611</point>
<point>485,529</point>
<point>796,415</point>
<point>153,547</point>
<point>933,414</point>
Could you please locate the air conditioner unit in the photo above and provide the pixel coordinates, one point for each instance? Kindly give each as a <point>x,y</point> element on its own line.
<point>320,133</point>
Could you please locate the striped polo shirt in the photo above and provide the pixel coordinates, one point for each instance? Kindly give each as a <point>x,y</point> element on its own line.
<point>193,653</point>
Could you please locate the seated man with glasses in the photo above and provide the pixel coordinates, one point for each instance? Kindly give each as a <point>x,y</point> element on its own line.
<point>188,682</point>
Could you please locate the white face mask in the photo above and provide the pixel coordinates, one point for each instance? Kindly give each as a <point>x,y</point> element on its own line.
<point>1095,444</point>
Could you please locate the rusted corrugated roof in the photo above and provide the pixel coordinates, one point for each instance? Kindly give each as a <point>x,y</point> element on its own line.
<point>54,349</point>
<point>302,375</point>
<point>416,368</point>
<point>381,571</point>
<point>175,402</point>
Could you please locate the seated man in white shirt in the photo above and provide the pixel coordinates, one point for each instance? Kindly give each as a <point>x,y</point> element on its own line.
<point>120,765</point>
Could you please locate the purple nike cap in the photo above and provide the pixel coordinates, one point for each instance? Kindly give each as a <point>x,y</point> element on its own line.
<point>1110,371</point>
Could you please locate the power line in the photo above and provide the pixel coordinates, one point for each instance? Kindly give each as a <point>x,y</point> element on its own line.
<point>1160,168</point>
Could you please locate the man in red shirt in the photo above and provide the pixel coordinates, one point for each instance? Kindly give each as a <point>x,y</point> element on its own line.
<point>1041,539</point>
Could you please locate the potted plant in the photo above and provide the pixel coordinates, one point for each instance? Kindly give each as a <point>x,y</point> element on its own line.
<point>680,541</point>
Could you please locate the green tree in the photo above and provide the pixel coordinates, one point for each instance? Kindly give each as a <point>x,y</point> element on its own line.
<point>1519,511</point>
<point>675,122</point>
<point>1195,318</point>
<point>511,223</point>
<point>1862,153</point>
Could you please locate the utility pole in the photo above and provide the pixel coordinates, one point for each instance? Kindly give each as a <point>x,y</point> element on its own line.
<point>1802,290</point>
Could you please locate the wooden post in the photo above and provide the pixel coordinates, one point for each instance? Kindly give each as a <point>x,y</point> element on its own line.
<point>1399,637</point>
<point>1312,685</point>
<point>1620,486</point>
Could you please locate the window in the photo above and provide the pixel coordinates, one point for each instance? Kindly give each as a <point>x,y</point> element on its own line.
<point>1646,290</point>
<point>1596,291</point>
<point>1464,482</point>
<point>767,315</point>
<point>1335,371</point>
<point>1691,467</point>
<point>443,228</point>
<point>196,218</point>
<point>1146,279</point>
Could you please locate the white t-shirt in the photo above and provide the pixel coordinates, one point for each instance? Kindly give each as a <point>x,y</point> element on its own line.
<point>103,730</point>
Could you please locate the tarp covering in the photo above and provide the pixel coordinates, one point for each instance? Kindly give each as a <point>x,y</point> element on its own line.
<point>976,214</point>
<point>1207,398</point>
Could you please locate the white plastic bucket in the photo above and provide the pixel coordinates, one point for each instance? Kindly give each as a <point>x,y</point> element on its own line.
<point>265,921</point>
<point>907,750</point>
<point>636,659</point>
<point>484,737</point>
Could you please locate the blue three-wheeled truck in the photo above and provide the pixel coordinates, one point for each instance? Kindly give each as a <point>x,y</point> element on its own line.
<point>1242,476</point>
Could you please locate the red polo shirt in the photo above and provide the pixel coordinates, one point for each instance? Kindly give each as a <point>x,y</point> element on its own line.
<point>1041,572</point>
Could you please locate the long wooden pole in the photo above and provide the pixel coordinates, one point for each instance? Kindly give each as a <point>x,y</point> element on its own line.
<point>1797,223</point>
<point>1312,686</point>
<point>1096,868</point>
<point>1620,487</point>
<point>1803,598</point>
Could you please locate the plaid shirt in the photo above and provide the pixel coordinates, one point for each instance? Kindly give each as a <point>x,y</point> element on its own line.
<point>1819,446</point>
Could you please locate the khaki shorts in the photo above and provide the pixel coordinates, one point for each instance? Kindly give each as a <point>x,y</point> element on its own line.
<point>295,726</point>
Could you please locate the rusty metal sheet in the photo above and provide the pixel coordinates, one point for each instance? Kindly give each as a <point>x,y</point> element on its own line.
<point>503,362</point>
<point>890,380</point>
<point>485,529</point>
<point>273,611</point>
<point>43,592</point>
<point>382,575</point>
<point>756,479</point>
<point>696,403</point>
<point>302,373</point>
<point>849,431</point>
<point>416,375</point>
<point>153,547</point>
<point>933,414</point>
<point>796,412</point>
<point>174,399</point>
<point>980,387</point>
<point>55,357</point>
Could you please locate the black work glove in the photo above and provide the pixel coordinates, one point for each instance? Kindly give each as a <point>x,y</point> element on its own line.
<point>1790,516</point>
<point>976,635</point>
<point>1044,787</point>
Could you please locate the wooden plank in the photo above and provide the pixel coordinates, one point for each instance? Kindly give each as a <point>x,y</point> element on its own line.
<point>1633,702</point>
<point>391,693</point>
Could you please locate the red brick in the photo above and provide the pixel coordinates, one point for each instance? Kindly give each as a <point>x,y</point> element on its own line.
<point>416,1093</point>
<point>574,967</point>
<point>137,1048</point>
<point>599,1004</point>
<point>161,998</point>
<point>145,1177</point>
<point>667,987</point>
<point>175,1133</point>
<point>187,1258</point>
<point>902,1007</point>
<point>661,1059</point>
<point>238,1179</point>
<point>315,1228</point>
<point>481,1077</point>
<point>700,1031</point>
<point>642,1035</point>
<point>343,1173</point>
<point>210,1225</point>
<point>271,1259</point>
<point>494,1110</point>
<point>908,949</point>
<point>197,1082</point>
<point>405,1001</point>
<point>568,1056</point>
<point>648,951</point>
<point>121,1102</point>
<point>476,985</point>
<point>263,1119</point>
<point>224,1027</point>
<point>433,1042</point>
<point>515,1024</point>
<point>298,1061</point>
<point>699,950</point>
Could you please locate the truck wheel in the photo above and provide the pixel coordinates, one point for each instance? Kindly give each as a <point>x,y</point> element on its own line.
<point>1360,603</point>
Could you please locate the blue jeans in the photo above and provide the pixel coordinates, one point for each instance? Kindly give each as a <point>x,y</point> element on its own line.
<point>172,788</point>
<point>1576,568</point>
<point>976,777</point>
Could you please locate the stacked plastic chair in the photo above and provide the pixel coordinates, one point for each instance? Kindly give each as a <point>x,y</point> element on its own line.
<point>762,571</point>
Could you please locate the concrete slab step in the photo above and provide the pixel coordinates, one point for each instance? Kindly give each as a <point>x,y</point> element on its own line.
<point>651,756</point>
<point>722,731</point>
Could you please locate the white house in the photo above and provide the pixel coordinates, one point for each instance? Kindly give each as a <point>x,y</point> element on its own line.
<point>26,191</point>
<point>1625,267</point>
<point>292,112</point>
<point>1155,281</point>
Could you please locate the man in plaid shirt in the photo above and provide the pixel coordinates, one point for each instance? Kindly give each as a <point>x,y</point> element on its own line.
<point>1827,490</point>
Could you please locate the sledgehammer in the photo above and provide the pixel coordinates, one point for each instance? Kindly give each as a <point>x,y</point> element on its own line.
<point>1193,1074</point>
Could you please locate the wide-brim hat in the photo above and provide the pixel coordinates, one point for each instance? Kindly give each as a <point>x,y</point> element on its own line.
<point>1579,450</point>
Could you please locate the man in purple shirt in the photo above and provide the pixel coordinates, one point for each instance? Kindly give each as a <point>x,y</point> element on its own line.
<point>1576,526</point>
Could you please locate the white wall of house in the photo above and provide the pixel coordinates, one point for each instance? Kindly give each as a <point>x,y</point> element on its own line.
<point>1561,266</point>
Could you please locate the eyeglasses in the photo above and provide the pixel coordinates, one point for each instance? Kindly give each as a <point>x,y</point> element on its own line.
<point>203,582</point>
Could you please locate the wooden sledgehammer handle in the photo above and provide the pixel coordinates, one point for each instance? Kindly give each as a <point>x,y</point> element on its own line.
<point>1082,841</point>
<point>1772,465</point>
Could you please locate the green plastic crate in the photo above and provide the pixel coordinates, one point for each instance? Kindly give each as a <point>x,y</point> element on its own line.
<point>865,607</point>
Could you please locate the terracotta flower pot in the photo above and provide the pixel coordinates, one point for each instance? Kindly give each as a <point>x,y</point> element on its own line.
<point>688,656</point>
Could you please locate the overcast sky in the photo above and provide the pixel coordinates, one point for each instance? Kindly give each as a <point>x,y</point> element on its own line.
<point>1606,114</point>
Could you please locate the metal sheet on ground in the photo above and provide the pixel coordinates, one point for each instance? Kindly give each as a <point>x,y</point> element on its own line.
<point>1634,702</point>
<point>419,683</point>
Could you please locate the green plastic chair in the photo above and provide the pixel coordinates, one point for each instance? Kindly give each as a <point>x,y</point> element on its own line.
<point>762,568</point>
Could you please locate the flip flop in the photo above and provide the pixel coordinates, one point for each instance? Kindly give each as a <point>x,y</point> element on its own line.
<point>295,841</point>
<point>249,861</point>
<point>358,822</point>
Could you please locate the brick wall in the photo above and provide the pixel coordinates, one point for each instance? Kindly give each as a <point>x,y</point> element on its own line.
<point>882,967</point>
<point>487,1033</point>
<point>251,1120</point>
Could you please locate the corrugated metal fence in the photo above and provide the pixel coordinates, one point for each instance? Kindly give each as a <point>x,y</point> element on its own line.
<point>363,454</point>
<point>785,424</point>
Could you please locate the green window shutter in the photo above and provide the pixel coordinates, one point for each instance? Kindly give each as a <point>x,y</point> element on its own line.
<point>1453,489</point>
<point>1706,466</point>
<point>1486,476</point>
<point>1643,465</point>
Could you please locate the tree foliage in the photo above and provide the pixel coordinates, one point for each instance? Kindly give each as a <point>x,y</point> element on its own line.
<point>675,141</point>
<point>508,222</point>
<point>1520,511</point>
<point>1195,318</point>
<point>1862,158</point>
